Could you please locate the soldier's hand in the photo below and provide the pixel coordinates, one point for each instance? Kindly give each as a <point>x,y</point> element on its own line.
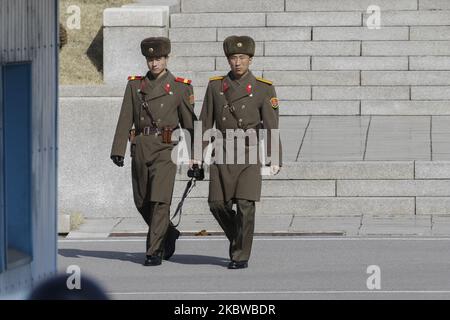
<point>274,169</point>
<point>118,160</point>
<point>193,161</point>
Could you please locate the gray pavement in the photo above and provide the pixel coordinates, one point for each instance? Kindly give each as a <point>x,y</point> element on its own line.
<point>280,268</point>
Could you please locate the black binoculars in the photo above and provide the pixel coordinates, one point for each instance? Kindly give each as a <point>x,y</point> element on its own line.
<point>196,172</point>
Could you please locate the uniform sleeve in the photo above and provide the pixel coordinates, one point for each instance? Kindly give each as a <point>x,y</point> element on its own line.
<point>207,113</point>
<point>186,113</point>
<point>270,117</point>
<point>124,124</point>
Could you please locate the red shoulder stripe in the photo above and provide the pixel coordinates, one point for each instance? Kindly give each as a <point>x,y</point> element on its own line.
<point>183,80</point>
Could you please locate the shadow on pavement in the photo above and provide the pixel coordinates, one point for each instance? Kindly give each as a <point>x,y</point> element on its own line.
<point>138,257</point>
<point>198,259</point>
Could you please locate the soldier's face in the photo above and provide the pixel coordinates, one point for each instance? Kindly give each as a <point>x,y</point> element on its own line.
<point>157,65</point>
<point>239,64</point>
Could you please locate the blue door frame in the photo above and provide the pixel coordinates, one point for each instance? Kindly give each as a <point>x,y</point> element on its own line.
<point>2,204</point>
<point>17,153</point>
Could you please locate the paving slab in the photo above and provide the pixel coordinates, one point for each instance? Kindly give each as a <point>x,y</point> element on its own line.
<point>292,132</point>
<point>345,225</point>
<point>399,138</point>
<point>396,225</point>
<point>130,225</point>
<point>440,225</point>
<point>440,135</point>
<point>334,138</point>
<point>94,228</point>
<point>272,224</point>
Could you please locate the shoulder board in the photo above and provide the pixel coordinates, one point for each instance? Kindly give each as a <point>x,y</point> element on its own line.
<point>264,80</point>
<point>135,78</point>
<point>216,78</point>
<point>183,80</point>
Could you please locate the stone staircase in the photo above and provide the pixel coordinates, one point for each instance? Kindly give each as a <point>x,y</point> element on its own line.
<point>365,113</point>
<point>322,57</point>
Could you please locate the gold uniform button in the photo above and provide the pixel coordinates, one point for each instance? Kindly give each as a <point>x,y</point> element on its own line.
<point>224,118</point>
<point>162,105</point>
<point>142,118</point>
<point>243,107</point>
<point>240,120</point>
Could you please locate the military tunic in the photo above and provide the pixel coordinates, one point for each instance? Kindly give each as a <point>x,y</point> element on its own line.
<point>255,106</point>
<point>170,102</point>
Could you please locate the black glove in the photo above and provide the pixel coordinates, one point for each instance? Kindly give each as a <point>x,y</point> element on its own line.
<point>118,160</point>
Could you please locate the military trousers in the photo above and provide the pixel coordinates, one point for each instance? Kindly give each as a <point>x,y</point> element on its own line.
<point>239,225</point>
<point>157,217</point>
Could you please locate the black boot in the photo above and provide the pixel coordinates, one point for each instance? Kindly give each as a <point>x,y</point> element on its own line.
<point>169,245</point>
<point>238,265</point>
<point>154,260</point>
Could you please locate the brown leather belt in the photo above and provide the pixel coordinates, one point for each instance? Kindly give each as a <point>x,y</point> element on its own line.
<point>165,133</point>
<point>150,131</point>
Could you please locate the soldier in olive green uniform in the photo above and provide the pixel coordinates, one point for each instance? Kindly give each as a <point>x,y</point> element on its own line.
<point>239,100</point>
<point>154,105</point>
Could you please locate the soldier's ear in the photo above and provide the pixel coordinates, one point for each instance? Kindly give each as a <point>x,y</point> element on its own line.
<point>250,60</point>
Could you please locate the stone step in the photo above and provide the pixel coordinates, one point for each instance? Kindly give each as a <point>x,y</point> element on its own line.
<point>353,170</point>
<point>348,5</point>
<point>340,188</point>
<point>212,6</point>
<point>287,92</point>
<point>413,18</point>
<point>273,188</point>
<point>208,20</point>
<point>329,18</point>
<point>327,107</point>
<point>199,6</point>
<point>335,206</point>
<point>316,206</point>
